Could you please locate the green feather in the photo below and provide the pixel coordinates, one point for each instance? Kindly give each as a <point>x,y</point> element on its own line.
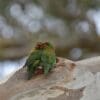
<point>43,55</point>
<point>32,68</point>
<point>33,62</point>
<point>48,59</point>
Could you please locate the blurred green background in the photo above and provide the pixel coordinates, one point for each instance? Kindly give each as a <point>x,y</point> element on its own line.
<point>72,26</point>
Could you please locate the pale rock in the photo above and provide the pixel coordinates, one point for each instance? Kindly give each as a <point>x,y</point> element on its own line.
<point>82,76</point>
<point>92,91</point>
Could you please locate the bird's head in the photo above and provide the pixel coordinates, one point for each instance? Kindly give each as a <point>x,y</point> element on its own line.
<point>39,45</point>
<point>44,45</point>
<point>47,45</point>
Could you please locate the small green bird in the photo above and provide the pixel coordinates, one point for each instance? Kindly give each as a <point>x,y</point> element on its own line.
<point>48,58</point>
<point>34,60</point>
<point>43,55</point>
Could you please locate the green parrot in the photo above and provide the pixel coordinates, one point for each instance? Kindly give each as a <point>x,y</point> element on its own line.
<point>48,58</point>
<point>43,55</point>
<point>34,60</point>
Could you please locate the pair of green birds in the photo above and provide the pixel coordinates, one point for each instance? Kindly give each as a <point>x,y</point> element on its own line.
<point>43,55</point>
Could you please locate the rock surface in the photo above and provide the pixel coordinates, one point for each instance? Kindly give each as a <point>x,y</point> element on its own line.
<point>68,81</point>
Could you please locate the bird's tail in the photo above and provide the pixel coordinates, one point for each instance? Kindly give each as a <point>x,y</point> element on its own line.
<point>24,65</point>
<point>29,76</point>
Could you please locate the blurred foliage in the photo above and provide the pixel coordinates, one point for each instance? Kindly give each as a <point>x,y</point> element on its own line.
<point>89,3</point>
<point>3,5</point>
<point>67,20</point>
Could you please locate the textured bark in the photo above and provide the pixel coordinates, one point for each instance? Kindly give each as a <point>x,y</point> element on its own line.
<point>50,87</point>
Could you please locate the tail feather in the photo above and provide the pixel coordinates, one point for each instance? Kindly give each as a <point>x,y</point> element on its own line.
<point>29,76</point>
<point>47,69</point>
